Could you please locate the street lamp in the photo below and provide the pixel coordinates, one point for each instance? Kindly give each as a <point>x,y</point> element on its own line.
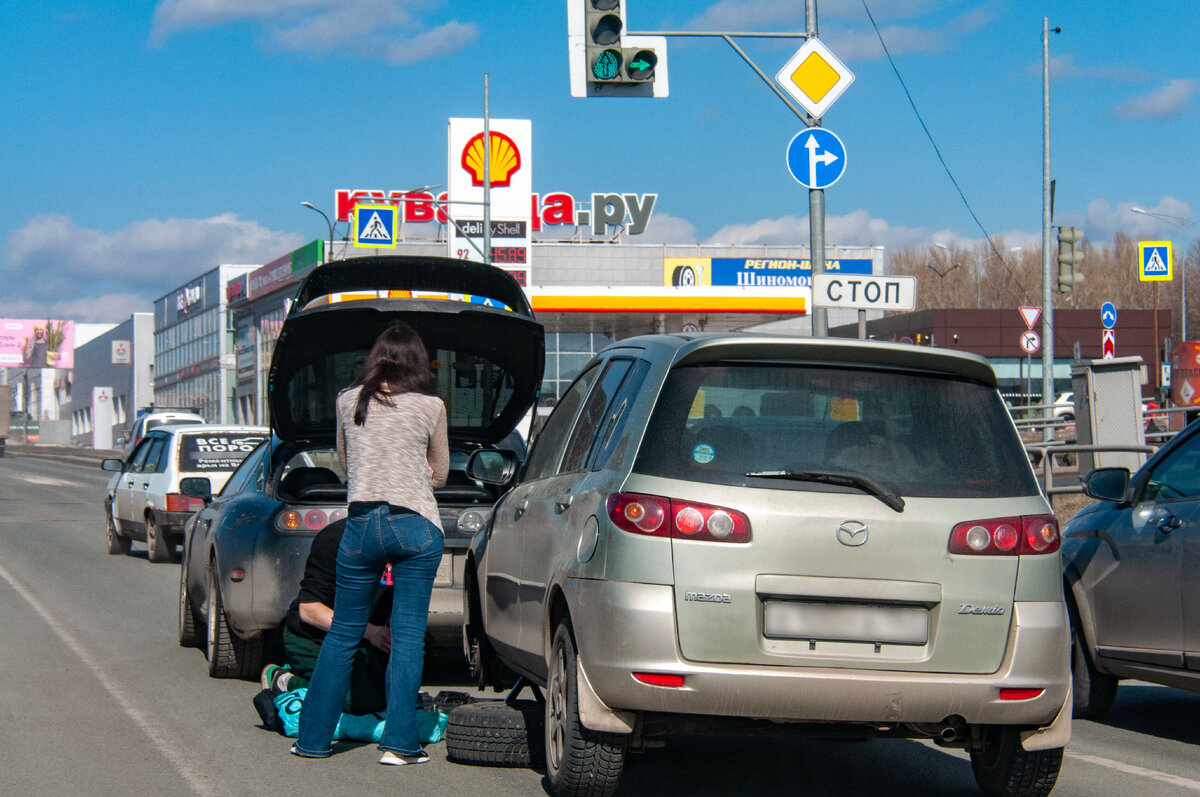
<point>1182,222</point>
<point>310,206</point>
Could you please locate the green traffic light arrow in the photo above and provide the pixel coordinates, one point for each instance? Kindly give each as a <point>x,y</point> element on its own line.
<point>640,64</point>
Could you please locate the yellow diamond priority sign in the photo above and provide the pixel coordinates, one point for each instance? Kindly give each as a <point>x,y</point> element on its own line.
<point>814,77</point>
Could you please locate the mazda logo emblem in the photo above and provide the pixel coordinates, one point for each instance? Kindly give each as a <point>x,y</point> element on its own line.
<point>852,533</point>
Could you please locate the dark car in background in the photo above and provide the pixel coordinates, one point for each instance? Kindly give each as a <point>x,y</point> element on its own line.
<point>244,553</point>
<point>1132,567</point>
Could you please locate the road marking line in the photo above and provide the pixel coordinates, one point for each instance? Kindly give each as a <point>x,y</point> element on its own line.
<point>144,722</point>
<point>1141,772</point>
<point>46,481</point>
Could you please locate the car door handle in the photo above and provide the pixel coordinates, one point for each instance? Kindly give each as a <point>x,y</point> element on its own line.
<point>1168,523</point>
<point>520,510</point>
<point>563,502</point>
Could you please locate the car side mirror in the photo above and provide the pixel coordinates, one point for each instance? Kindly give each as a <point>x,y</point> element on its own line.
<point>1107,484</point>
<point>492,466</point>
<point>196,487</point>
<point>114,465</point>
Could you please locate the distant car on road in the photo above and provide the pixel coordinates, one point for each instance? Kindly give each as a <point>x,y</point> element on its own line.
<point>1132,568</point>
<point>746,531</point>
<point>150,420</point>
<point>244,552</point>
<point>143,501</point>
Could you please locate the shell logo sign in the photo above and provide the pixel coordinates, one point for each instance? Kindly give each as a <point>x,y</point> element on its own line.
<point>505,159</point>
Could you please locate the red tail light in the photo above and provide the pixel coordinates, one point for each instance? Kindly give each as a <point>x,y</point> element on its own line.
<point>182,503</point>
<point>1007,536</point>
<point>307,519</point>
<point>669,517</point>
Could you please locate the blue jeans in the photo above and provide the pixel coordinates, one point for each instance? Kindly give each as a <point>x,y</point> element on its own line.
<point>414,547</point>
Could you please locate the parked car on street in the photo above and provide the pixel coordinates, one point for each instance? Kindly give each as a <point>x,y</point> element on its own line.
<point>1132,567</point>
<point>150,420</point>
<point>143,501</point>
<point>718,531</point>
<point>244,553</point>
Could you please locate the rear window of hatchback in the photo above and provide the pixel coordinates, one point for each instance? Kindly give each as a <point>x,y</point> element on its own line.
<point>203,453</point>
<point>921,434</point>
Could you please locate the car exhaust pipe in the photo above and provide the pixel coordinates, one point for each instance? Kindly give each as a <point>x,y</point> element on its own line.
<point>950,730</point>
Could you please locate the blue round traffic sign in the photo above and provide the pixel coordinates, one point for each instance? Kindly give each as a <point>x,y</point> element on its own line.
<point>1108,315</point>
<point>816,157</point>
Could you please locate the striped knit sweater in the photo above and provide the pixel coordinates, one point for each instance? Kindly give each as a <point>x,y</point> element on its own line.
<point>390,456</point>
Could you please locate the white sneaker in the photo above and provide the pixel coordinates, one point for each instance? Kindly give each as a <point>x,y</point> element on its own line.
<point>392,759</point>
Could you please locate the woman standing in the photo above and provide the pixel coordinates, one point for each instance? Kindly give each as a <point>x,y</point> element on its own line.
<point>391,441</point>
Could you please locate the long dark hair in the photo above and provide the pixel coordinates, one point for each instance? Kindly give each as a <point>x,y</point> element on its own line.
<point>398,360</point>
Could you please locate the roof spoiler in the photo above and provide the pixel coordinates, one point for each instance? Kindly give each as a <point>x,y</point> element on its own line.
<point>413,273</point>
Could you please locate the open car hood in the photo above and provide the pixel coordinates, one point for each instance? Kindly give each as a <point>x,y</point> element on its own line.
<point>487,361</point>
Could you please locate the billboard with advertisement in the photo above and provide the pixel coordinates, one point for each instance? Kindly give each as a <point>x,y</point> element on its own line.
<point>33,343</point>
<point>509,165</point>
<point>749,272</point>
<point>1185,374</point>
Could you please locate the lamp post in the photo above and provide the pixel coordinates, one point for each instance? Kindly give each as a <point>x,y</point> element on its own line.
<point>310,206</point>
<point>1182,222</point>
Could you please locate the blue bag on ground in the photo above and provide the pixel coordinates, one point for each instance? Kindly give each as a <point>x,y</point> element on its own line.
<point>366,728</point>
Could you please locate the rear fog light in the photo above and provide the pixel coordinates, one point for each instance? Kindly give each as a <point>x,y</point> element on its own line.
<point>1021,694</point>
<point>659,678</point>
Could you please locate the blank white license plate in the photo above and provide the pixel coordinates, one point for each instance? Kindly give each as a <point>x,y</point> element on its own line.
<point>445,571</point>
<point>904,625</point>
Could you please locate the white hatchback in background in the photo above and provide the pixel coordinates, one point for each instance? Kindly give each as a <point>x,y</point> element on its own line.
<point>144,502</point>
<point>152,420</point>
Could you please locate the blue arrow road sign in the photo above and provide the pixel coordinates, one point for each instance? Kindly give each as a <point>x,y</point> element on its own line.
<point>816,157</point>
<point>1108,315</point>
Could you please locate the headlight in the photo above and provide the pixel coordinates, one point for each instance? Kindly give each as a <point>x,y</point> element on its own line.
<point>471,520</point>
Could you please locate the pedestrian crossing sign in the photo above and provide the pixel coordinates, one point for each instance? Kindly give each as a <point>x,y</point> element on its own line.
<point>375,225</point>
<point>1154,258</point>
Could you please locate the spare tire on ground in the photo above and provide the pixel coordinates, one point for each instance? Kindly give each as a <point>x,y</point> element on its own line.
<point>497,733</point>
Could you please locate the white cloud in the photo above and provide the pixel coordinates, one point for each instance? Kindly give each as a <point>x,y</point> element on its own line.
<point>1161,221</point>
<point>1175,97</point>
<point>666,229</point>
<point>53,263</point>
<point>853,229</point>
<point>386,30</point>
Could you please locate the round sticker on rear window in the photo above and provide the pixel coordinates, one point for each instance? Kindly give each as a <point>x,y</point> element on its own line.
<point>703,453</point>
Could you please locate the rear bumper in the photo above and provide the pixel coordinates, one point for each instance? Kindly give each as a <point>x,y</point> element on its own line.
<point>626,627</point>
<point>170,523</point>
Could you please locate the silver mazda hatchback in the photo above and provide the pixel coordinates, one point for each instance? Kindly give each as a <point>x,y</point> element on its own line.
<point>843,537</point>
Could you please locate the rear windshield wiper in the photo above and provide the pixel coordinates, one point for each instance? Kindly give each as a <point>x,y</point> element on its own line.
<point>867,485</point>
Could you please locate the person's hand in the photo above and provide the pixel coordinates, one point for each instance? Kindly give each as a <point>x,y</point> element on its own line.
<point>379,636</point>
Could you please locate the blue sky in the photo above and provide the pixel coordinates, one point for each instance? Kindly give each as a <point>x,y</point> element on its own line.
<point>144,142</point>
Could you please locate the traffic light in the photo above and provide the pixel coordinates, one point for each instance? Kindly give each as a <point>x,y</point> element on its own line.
<point>1069,256</point>
<point>605,60</point>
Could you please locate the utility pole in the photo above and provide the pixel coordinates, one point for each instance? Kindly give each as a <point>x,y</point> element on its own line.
<point>816,207</point>
<point>1047,284</point>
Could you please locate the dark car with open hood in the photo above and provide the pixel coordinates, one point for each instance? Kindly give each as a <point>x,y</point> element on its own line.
<point>244,553</point>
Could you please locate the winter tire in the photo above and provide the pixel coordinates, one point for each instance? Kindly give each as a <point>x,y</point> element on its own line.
<point>229,656</point>
<point>579,762</point>
<point>1003,769</point>
<point>117,543</point>
<point>1094,691</point>
<point>189,627</point>
<point>160,548</point>
<point>496,733</point>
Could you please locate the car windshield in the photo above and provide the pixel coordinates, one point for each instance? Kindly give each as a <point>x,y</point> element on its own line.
<point>916,434</point>
<point>216,451</point>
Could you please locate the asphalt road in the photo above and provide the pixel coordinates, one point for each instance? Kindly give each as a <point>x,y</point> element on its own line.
<point>97,698</point>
